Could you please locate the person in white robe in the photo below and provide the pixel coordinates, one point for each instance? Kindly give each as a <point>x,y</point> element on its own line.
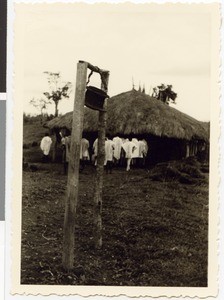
<point>117,149</point>
<point>109,154</point>
<point>84,149</point>
<point>45,146</point>
<point>136,151</point>
<point>84,152</point>
<point>143,150</point>
<point>129,147</point>
<point>135,154</point>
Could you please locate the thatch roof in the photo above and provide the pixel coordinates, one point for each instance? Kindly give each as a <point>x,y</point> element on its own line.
<point>136,113</point>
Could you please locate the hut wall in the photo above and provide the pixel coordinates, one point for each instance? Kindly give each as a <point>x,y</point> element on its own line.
<point>164,149</point>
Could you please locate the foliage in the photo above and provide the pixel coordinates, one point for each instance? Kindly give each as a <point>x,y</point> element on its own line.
<point>165,93</point>
<point>58,90</point>
<point>26,118</point>
<point>41,104</point>
<point>29,119</point>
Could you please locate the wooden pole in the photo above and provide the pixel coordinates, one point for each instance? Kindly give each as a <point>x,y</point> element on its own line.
<point>100,167</point>
<point>73,168</point>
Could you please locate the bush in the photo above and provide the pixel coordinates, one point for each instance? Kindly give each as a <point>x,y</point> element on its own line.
<point>192,171</point>
<point>165,173</point>
<point>187,171</point>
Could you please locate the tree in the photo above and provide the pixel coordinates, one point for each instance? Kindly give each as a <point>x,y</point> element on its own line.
<point>40,104</point>
<point>58,90</point>
<point>166,94</point>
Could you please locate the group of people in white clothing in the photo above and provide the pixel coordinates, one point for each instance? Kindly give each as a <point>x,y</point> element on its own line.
<point>84,151</point>
<point>134,151</point>
<point>118,150</point>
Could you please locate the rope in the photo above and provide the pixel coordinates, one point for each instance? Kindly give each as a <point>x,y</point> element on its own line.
<point>90,74</point>
<point>103,77</point>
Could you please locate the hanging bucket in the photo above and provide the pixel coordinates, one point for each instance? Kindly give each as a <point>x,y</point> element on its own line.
<point>94,98</point>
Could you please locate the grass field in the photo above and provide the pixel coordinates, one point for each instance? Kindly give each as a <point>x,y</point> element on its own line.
<point>33,132</point>
<point>154,230</point>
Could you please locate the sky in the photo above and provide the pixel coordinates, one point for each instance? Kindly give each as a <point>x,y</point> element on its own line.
<point>150,44</point>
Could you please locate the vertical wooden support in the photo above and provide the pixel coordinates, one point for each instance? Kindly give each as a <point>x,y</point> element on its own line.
<point>100,168</point>
<point>73,168</point>
<point>54,149</point>
<point>55,146</point>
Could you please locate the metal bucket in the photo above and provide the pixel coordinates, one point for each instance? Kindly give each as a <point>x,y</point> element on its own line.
<point>94,98</point>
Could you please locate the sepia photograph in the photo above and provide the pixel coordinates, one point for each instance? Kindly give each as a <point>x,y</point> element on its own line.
<point>116,127</point>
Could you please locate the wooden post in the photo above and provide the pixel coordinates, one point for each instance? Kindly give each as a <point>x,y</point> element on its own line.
<point>73,168</point>
<point>100,167</point>
<point>54,149</point>
<point>55,146</point>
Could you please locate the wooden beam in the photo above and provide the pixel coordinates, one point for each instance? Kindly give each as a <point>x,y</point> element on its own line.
<point>100,168</point>
<point>73,168</point>
<point>94,68</point>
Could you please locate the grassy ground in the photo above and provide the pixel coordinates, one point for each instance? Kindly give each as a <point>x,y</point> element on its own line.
<point>154,229</point>
<point>33,132</point>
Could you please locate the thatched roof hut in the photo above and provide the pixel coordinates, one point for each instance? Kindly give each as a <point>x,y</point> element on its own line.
<point>135,113</point>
